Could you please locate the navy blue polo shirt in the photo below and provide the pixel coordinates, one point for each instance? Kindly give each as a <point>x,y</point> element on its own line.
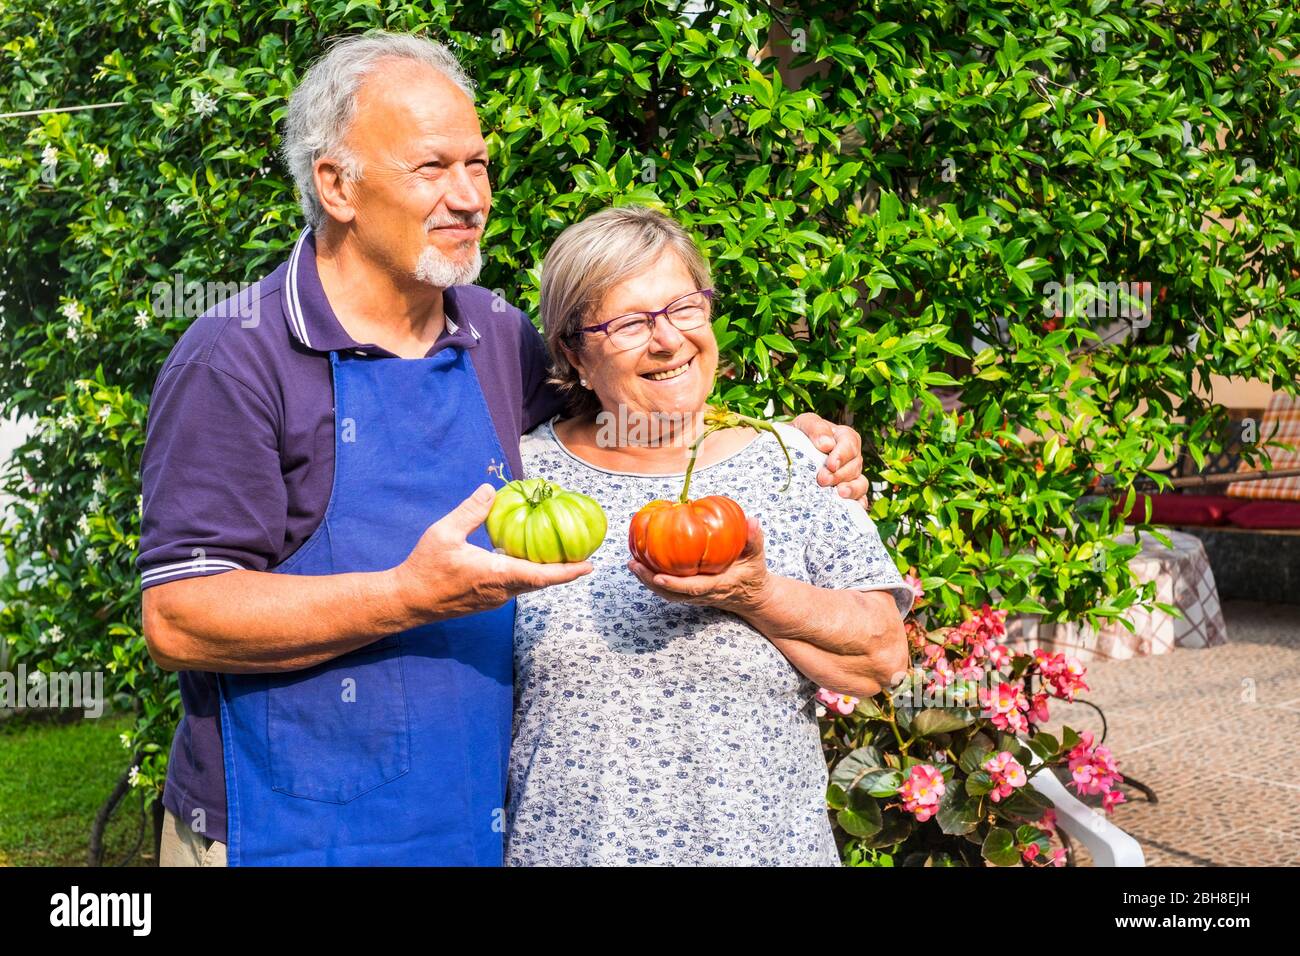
<point>239,458</point>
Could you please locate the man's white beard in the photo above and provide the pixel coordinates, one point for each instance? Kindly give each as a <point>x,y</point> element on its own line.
<point>437,270</point>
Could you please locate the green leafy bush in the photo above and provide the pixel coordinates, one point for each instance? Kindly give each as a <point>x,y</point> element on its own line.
<point>934,166</point>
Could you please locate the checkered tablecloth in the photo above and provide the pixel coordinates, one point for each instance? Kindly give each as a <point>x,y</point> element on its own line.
<point>1183,578</point>
<point>1281,422</point>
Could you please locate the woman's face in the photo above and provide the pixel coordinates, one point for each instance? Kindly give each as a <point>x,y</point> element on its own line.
<point>622,377</point>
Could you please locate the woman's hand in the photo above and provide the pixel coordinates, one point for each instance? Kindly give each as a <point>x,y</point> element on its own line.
<point>843,466</point>
<point>854,642</point>
<point>741,588</point>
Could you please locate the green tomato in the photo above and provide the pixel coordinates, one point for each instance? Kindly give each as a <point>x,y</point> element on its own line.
<point>537,520</point>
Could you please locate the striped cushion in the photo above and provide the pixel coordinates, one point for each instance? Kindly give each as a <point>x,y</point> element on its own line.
<point>1283,414</point>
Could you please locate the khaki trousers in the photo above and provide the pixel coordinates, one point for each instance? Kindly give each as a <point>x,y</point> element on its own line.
<point>181,846</point>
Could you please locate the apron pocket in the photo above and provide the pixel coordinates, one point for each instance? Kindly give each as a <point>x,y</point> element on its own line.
<point>340,729</point>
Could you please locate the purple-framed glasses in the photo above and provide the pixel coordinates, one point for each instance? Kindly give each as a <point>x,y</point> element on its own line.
<point>634,329</point>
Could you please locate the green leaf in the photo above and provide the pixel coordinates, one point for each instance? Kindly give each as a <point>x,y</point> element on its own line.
<point>1044,745</point>
<point>759,174</point>
<point>861,818</point>
<point>620,55</point>
<point>999,848</point>
<point>976,753</point>
<point>935,720</point>
<point>957,815</point>
<point>1026,804</point>
<point>854,765</point>
<point>979,783</point>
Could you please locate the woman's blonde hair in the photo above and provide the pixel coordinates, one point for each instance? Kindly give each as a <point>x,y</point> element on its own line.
<point>587,260</point>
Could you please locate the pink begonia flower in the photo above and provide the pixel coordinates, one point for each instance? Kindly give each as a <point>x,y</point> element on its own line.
<point>1092,768</point>
<point>1007,705</point>
<point>999,657</point>
<point>1047,821</point>
<point>914,585</point>
<point>932,653</point>
<point>1032,853</point>
<point>942,674</point>
<point>1006,773</point>
<point>981,633</point>
<point>969,670</point>
<point>1063,675</point>
<point>922,791</point>
<point>1038,708</point>
<point>976,644</point>
<point>841,703</point>
<point>1110,798</point>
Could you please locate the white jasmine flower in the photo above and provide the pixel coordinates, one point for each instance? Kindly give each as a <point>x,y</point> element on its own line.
<point>50,156</point>
<point>92,555</point>
<point>83,385</point>
<point>74,333</point>
<point>113,184</point>
<point>67,421</point>
<point>100,485</point>
<point>55,634</point>
<point>204,104</point>
<point>95,459</point>
<point>104,412</point>
<point>72,311</point>
<point>83,525</point>
<point>142,319</point>
<point>176,207</point>
<point>100,160</point>
<point>133,777</point>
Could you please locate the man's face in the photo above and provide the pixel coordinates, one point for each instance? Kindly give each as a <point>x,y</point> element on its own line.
<point>423,196</point>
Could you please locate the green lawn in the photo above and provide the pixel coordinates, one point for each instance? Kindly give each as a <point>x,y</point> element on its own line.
<point>53,779</point>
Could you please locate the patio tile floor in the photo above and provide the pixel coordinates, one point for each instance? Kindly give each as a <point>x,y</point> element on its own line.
<point>1215,732</point>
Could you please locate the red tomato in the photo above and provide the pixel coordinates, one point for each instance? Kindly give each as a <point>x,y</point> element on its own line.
<point>691,537</point>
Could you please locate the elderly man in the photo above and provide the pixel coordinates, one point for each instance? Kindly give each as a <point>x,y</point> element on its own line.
<point>315,483</point>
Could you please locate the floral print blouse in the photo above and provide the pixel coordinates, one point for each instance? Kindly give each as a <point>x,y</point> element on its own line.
<point>652,732</point>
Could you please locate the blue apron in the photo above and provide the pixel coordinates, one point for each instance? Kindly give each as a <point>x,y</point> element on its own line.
<point>395,753</point>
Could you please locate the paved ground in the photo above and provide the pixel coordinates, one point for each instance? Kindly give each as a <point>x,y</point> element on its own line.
<point>1216,734</point>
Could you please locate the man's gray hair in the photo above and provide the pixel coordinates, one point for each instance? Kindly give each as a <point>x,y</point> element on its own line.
<point>321,109</point>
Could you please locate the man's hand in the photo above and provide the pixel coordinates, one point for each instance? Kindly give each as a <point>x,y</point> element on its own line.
<point>843,466</point>
<point>446,576</point>
<point>739,589</point>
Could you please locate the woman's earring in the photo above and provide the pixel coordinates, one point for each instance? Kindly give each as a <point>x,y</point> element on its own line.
<point>583,381</point>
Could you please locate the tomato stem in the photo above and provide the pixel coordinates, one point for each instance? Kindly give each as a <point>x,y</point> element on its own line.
<point>690,465</point>
<point>716,419</point>
<point>540,494</point>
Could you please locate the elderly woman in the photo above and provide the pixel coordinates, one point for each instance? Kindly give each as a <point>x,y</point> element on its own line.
<point>670,720</point>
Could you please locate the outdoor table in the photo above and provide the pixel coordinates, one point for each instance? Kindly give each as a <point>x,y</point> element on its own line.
<point>1183,579</point>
